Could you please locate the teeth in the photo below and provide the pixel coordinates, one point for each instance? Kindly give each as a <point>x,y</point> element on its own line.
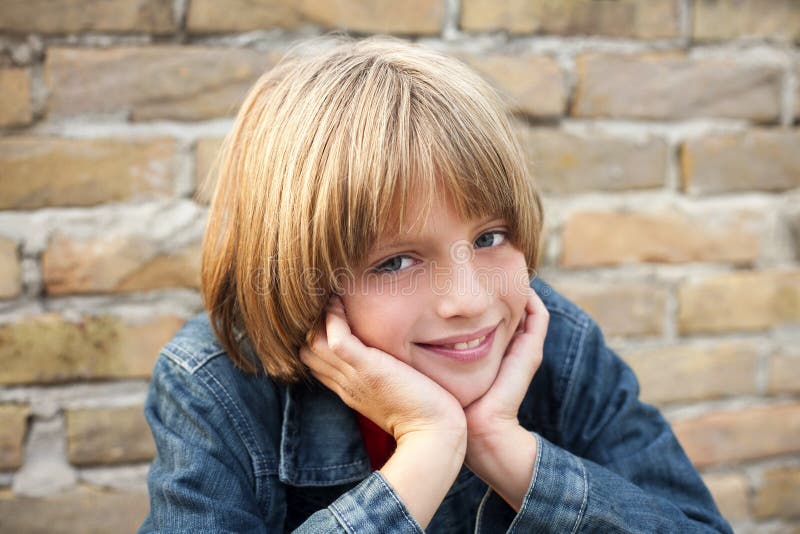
<point>466,345</point>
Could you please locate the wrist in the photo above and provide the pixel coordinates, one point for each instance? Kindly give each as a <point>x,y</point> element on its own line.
<point>422,470</point>
<point>451,442</point>
<point>505,462</point>
<point>489,440</point>
<point>487,449</point>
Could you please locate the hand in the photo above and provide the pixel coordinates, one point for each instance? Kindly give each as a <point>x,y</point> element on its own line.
<point>495,413</point>
<point>389,392</point>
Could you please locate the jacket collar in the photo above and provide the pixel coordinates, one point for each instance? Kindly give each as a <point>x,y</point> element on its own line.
<point>321,443</point>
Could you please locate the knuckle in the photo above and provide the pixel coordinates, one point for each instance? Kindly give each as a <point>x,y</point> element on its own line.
<point>318,346</point>
<point>336,346</point>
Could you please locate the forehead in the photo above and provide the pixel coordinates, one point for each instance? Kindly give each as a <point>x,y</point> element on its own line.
<point>425,219</point>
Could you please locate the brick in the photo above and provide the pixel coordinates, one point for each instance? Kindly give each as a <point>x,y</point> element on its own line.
<point>50,349</point>
<point>728,19</point>
<point>784,371</point>
<point>740,435</point>
<point>667,236</point>
<point>83,510</point>
<point>731,493</point>
<point>156,82</point>
<point>14,424</point>
<point>797,92</point>
<point>205,152</point>
<point>421,17</point>
<point>740,300</point>
<point>105,436</point>
<point>43,171</point>
<point>778,495</point>
<point>10,269</point>
<point>111,264</point>
<point>649,19</point>
<point>531,84</point>
<point>667,86</point>
<point>565,163</point>
<point>621,308</point>
<point>766,160</point>
<point>74,16</point>
<point>793,223</point>
<point>689,372</point>
<point>15,95</point>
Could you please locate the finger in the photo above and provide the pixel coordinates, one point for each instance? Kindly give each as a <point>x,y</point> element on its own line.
<point>340,339</point>
<point>319,365</point>
<point>331,384</point>
<point>524,353</point>
<point>537,319</point>
<point>531,339</point>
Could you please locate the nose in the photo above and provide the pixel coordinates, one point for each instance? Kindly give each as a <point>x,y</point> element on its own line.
<point>461,291</point>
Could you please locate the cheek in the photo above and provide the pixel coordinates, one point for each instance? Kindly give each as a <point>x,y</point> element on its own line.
<point>517,296</point>
<point>379,321</point>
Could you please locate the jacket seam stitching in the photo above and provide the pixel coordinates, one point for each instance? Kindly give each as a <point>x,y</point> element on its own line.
<point>243,428</point>
<point>342,519</point>
<point>579,518</point>
<point>173,351</point>
<point>400,505</point>
<point>327,467</point>
<point>578,338</point>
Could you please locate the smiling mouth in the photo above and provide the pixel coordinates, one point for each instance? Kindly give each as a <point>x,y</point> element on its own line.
<point>465,351</point>
<point>461,346</point>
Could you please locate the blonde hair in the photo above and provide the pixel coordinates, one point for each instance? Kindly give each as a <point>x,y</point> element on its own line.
<point>323,157</point>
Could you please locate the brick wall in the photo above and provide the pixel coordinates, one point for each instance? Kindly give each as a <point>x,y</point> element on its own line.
<point>663,134</point>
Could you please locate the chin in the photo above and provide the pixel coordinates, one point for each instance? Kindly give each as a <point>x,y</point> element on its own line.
<point>468,395</point>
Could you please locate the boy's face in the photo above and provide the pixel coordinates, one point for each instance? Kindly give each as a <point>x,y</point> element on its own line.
<point>449,277</point>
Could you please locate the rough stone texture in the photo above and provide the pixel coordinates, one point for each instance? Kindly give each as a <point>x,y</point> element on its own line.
<point>687,372</point>
<point>797,93</point>
<point>48,348</point>
<point>73,16</point>
<point>766,160</point>
<point>670,86</point>
<point>560,162</point>
<point>730,492</point>
<point>15,95</point>
<point>43,171</point>
<point>608,238</point>
<point>108,436</point>
<point>158,82</point>
<point>10,269</point>
<point>621,309</point>
<point>531,84</point>
<point>779,494</point>
<point>116,264</point>
<point>792,221</point>
<point>83,510</point>
<point>45,470</point>
<point>653,19</point>
<point>738,435</point>
<point>743,300</point>
<point>729,19</point>
<point>420,17</point>
<point>784,371</point>
<point>205,152</point>
<point>14,424</point>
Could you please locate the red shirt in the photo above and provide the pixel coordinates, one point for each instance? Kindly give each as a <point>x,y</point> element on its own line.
<point>378,443</point>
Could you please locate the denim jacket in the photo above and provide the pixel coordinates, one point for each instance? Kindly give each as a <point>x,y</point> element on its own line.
<point>241,453</point>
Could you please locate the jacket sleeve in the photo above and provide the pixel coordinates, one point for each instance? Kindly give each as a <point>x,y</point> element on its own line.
<point>205,477</point>
<point>613,464</point>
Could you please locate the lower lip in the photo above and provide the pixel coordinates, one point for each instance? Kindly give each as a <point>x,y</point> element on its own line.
<point>463,355</point>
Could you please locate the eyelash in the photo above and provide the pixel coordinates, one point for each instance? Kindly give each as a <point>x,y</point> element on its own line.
<point>378,268</point>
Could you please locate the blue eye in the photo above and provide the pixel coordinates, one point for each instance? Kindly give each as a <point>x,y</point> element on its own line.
<point>394,264</point>
<point>490,239</point>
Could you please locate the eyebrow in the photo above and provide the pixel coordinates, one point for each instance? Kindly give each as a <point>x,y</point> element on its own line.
<point>397,243</point>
